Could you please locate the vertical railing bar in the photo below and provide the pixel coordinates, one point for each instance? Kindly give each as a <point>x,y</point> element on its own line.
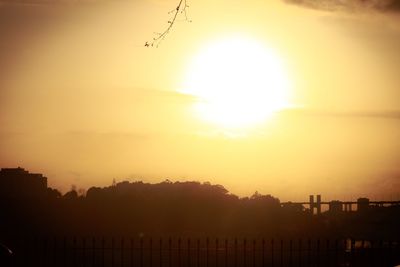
<point>151,252</point>
<point>44,251</point>
<point>345,256</point>
<point>263,253</point>
<point>352,251</point>
<point>26,250</point>
<point>319,247</point>
<point>188,252</point>
<point>179,252</point>
<point>112,251</point>
<point>207,252</point>
<point>160,252</point>
<point>83,251</point>
<point>198,252</point>
<point>132,248</point>
<point>328,252</point>
<point>65,251</point>
<point>254,253</point>
<point>336,252</point>
<point>103,252</point>
<point>55,251</point>
<point>226,252</point>
<point>170,252</point>
<point>122,251</point>
<point>216,252</point>
<point>290,252</point>
<point>272,252</point>
<point>33,250</point>
<point>93,251</point>
<point>235,252</point>
<point>244,252</point>
<point>309,252</point>
<point>74,251</point>
<point>363,255</point>
<point>141,251</point>
<point>299,251</point>
<point>281,250</point>
<point>371,254</point>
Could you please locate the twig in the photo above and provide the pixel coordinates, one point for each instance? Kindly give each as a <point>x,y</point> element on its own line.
<point>181,8</point>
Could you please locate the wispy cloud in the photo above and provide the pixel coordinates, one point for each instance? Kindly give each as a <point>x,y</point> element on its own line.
<point>349,5</point>
<point>384,114</point>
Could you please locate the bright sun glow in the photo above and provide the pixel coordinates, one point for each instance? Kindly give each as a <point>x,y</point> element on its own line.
<point>238,81</point>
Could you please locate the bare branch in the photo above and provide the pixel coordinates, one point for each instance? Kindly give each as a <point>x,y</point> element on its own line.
<point>181,8</point>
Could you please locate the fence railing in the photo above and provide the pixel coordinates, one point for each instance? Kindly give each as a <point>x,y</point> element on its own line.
<point>177,252</point>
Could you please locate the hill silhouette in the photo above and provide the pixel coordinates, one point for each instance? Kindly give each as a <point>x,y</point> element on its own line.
<point>175,211</point>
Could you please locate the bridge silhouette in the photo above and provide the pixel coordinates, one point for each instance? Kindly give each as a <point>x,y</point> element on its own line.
<point>315,204</point>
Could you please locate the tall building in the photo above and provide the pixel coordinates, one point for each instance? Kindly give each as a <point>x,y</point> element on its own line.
<point>362,204</point>
<point>19,183</point>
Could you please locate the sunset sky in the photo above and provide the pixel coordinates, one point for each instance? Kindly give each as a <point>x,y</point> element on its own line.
<point>288,98</point>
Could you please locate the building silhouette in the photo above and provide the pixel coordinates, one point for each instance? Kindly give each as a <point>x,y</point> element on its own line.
<point>362,204</point>
<point>19,183</point>
<point>336,206</point>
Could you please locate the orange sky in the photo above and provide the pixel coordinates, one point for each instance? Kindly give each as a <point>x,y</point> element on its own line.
<point>83,101</point>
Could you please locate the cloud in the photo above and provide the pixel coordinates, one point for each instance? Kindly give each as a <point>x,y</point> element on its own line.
<point>349,5</point>
<point>41,2</point>
<point>390,114</point>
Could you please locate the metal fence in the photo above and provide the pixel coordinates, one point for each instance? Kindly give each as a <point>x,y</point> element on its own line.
<point>177,252</point>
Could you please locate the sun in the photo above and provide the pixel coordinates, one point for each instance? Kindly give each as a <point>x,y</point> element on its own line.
<point>238,82</point>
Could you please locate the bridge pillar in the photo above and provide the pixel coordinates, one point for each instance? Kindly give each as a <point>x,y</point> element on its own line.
<point>315,205</point>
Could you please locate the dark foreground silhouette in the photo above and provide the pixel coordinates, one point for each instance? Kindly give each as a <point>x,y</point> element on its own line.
<point>183,224</point>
